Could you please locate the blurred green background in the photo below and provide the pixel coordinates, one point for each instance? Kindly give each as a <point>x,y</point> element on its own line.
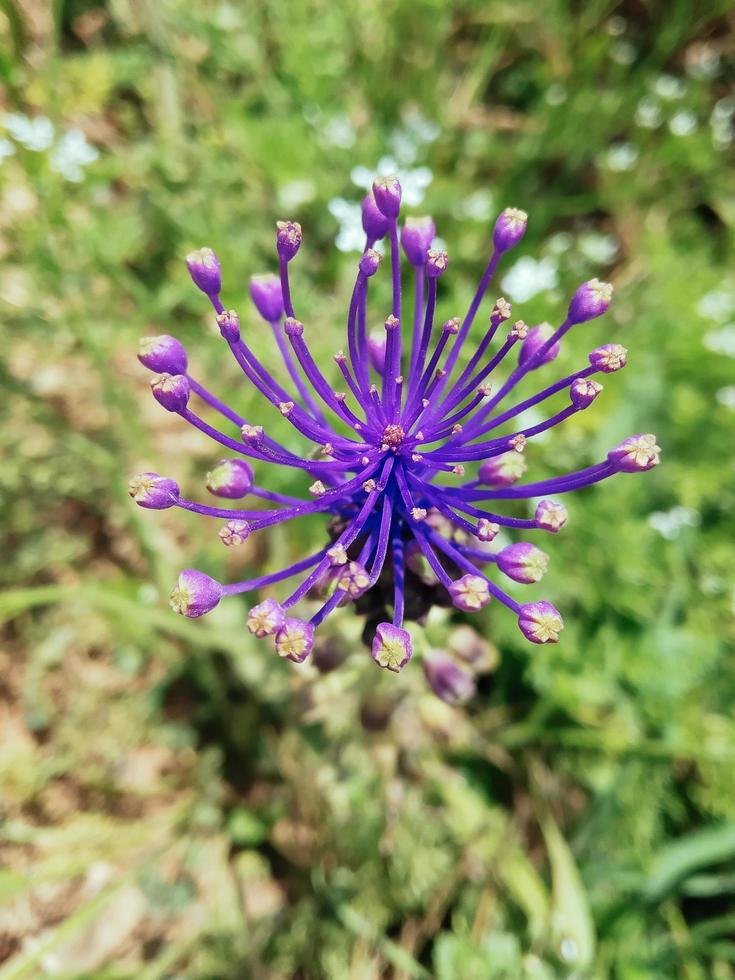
<point>175,801</point>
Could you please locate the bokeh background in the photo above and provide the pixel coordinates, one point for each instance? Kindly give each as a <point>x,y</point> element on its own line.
<point>176,802</point>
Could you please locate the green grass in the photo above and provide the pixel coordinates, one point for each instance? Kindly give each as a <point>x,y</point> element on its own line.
<point>176,803</point>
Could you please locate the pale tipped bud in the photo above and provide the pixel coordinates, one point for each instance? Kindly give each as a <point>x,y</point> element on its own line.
<point>551,516</point>
<point>266,618</point>
<point>591,300</point>
<point>636,454</point>
<point>153,492</point>
<point>540,622</point>
<point>583,392</point>
<point>195,594</point>
<point>387,195</point>
<point>470,593</point>
<point>162,354</point>
<point>229,325</point>
<point>231,478</point>
<point>510,227</point>
<point>288,239</point>
<point>171,391</point>
<point>417,235</point>
<point>523,562</point>
<point>609,358</point>
<point>205,270</point>
<point>392,647</point>
<point>295,640</point>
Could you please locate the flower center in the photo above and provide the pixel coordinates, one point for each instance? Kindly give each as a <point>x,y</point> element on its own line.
<point>393,435</point>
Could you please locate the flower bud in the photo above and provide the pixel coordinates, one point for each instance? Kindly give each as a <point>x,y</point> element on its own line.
<point>523,562</point>
<point>369,262</point>
<point>234,533</point>
<point>510,228</point>
<point>153,492</point>
<point>266,618</point>
<point>293,327</point>
<point>591,300</point>
<point>540,622</point>
<point>374,222</point>
<point>294,640</point>
<point>486,530</point>
<point>231,478</point>
<point>205,270</point>
<point>503,470</point>
<point>636,454</point>
<point>387,195</point>
<point>354,580</point>
<point>171,391</point>
<point>392,647</point>
<point>376,343</point>
<point>252,434</point>
<point>467,644</point>
<point>288,239</point>
<point>195,594</point>
<point>583,392</point>
<point>229,326</point>
<point>535,339</point>
<point>470,593</point>
<point>551,516</point>
<point>163,354</point>
<point>609,358</point>
<point>267,297</point>
<point>447,679</point>
<point>417,235</point>
<point>436,263</point>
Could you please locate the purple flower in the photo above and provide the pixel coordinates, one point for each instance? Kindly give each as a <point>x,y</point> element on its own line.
<point>417,235</point>
<point>231,478</point>
<point>374,222</point>
<point>205,271</point>
<point>412,441</point>
<point>171,391</point>
<point>265,292</point>
<point>392,647</point>
<point>535,339</point>
<point>447,679</point>
<point>164,354</point>
<point>509,229</point>
<point>153,492</point>
<point>195,594</point>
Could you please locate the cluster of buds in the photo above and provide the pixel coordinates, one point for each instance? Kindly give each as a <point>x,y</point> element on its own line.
<point>409,523</point>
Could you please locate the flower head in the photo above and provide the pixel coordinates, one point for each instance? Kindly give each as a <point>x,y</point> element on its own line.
<point>412,439</point>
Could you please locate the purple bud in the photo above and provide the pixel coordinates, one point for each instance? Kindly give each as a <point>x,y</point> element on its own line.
<point>288,239</point>
<point>591,300</point>
<point>195,594</point>
<point>354,579</point>
<point>486,530</point>
<point>510,228</point>
<point>266,618</point>
<point>252,434</point>
<point>267,297</point>
<point>523,562</point>
<point>153,492</point>
<point>374,222</point>
<point>470,593</point>
<point>293,327</point>
<point>467,644</point>
<point>229,326</point>
<point>171,391</point>
<point>609,358</point>
<point>417,235</point>
<point>369,262</point>
<point>502,471</point>
<point>436,263</point>
<point>448,680</point>
<point>234,533</point>
<point>636,454</point>
<point>231,478</point>
<point>551,516</point>
<point>535,339</point>
<point>376,350</point>
<point>164,354</point>
<point>392,647</point>
<point>294,640</point>
<point>583,392</point>
<point>540,622</point>
<point>387,195</point>
<point>205,270</point>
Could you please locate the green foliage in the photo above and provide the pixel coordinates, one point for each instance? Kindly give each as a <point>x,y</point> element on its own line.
<point>174,801</point>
